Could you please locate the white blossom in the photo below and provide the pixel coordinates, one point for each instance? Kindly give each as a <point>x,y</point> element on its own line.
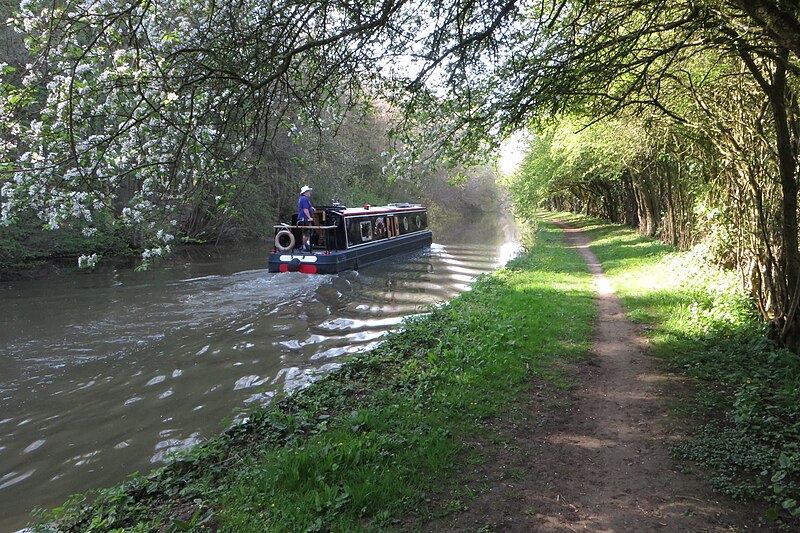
<point>88,261</point>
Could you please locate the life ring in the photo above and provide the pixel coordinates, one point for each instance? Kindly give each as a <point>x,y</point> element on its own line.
<point>284,240</point>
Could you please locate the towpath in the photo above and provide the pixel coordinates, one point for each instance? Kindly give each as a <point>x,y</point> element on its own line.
<point>596,458</point>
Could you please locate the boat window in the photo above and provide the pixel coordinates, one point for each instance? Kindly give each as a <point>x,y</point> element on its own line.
<point>380,228</point>
<point>405,223</point>
<point>353,232</point>
<point>418,220</point>
<point>366,231</point>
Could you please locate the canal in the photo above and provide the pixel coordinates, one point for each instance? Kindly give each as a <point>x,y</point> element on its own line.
<point>106,373</point>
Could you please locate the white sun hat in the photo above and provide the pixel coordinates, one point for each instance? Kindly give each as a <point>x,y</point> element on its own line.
<point>305,188</point>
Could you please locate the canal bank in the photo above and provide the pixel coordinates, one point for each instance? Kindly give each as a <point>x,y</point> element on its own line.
<point>398,437</point>
<point>363,446</point>
<point>107,372</point>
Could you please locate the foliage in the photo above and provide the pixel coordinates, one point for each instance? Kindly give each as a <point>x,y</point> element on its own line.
<point>25,244</point>
<point>161,114</point>
<point>197,121</point>
<point>568,165</point>
<point>148,113</point>
<point>363,446</point>
<point>686,128</point>
<point>165,117</point>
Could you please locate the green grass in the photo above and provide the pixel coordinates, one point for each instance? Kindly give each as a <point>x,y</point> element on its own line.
<point>363,447</point>
<point>703,325</point>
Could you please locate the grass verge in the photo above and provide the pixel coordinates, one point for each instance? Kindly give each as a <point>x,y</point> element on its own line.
<point>363,446</point>
<point>747,400</point>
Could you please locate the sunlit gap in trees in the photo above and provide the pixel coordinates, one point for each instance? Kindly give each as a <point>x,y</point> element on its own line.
<point>511,152</point>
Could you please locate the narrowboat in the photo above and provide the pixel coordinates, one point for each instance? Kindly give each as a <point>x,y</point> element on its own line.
<point>345,238</point>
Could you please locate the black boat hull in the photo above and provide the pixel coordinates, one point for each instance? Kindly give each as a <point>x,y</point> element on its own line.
<point>349,259</point>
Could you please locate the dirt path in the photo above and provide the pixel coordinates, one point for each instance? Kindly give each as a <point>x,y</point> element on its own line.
<point>599,460</point>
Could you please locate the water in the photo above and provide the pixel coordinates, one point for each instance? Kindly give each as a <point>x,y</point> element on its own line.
<point>104,374</point>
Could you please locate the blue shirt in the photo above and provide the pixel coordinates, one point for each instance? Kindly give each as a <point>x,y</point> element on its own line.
<point>304,203</point>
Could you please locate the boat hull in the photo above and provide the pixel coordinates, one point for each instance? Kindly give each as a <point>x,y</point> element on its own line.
<point>349,259</point>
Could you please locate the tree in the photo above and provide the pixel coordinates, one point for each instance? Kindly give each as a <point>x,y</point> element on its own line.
<point>149,110</point>
<point>144,104</point>
<point>599,59</point>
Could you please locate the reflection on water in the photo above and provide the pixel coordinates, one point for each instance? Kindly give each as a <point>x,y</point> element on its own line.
<point>107,373</point>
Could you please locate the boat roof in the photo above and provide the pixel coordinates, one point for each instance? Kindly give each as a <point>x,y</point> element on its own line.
<point>378,209</point>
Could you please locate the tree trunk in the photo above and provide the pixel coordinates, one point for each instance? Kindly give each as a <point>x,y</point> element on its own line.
<point>789,322</point>
<point>630,203</point>
<point>646,201</point>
